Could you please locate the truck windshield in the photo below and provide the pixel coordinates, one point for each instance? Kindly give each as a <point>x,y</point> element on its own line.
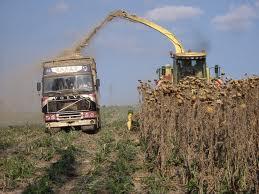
<point>64,83</point>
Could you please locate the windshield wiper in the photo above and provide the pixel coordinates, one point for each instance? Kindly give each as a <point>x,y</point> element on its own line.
<point>76,91</point>
<point>82,90</point>
<point>53,92</point>
<point>69,91</point>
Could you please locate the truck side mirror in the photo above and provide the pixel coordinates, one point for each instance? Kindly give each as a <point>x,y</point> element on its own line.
<point>98,83</point>
<point>38,86</point>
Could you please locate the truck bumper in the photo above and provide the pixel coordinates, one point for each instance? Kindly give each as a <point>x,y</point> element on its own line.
<point>71,123</point>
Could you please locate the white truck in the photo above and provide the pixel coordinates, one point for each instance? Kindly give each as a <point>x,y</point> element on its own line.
<point>70,93</point>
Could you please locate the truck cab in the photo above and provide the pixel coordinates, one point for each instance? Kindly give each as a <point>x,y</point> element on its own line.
<point>70,93</point>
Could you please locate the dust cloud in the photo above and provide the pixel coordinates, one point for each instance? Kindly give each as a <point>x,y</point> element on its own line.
<point>19,99</point>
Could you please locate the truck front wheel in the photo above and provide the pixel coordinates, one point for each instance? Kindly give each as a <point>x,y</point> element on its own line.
<point>53,130</point>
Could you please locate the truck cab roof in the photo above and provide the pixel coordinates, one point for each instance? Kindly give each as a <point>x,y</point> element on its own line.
<point>70,60</point>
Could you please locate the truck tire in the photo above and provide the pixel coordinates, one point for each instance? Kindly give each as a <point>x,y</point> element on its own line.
<point>53,130</point>
<point>92,129</point>
<point>98,126</point>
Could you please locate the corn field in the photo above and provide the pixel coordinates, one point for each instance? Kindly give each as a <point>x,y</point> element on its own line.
<point>204,138</point>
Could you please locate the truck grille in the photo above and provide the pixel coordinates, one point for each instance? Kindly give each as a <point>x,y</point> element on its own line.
<point>69,116</point>
<point>70,105</point>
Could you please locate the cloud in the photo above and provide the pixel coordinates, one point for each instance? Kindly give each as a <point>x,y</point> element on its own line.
<point>238,19</point>
<point>173,13</point>
<point>60,7</point>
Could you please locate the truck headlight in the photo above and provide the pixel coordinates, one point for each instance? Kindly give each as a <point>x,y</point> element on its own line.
<point>88,115</point>
<point>50,117</point>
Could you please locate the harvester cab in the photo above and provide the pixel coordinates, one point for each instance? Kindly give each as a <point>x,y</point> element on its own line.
<point>191,64</point>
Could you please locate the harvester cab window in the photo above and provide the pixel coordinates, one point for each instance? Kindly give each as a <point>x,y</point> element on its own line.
<point>190,67</point>
<point>185,68</point>
<point>163,70</point>
<point>200,68</point>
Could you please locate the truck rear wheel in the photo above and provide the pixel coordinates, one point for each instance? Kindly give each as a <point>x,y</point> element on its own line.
<point>89,128</point>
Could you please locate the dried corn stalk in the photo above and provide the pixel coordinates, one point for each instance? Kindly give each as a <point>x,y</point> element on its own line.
<point>200,133</point>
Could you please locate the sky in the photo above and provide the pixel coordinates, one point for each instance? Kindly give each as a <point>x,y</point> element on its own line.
<point>33,31</point>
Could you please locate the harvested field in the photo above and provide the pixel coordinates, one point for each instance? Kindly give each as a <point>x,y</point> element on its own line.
<point>33,161</point>
<point>202,138</point>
